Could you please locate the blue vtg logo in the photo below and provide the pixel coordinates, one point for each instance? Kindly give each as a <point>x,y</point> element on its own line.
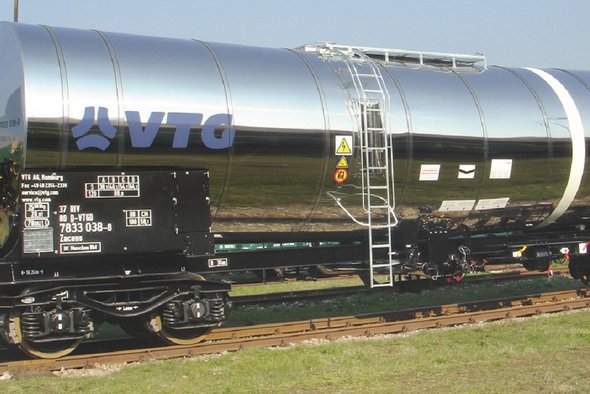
<point>143,137</point>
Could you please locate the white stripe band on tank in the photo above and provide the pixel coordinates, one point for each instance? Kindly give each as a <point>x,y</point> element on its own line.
<point>578,144</point>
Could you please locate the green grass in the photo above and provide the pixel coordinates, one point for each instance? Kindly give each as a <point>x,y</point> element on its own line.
<point>545,355</point>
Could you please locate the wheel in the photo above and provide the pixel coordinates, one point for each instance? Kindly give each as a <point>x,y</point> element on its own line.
<point>179,336</point>
<point>186,310</point>
<point>49,350</point>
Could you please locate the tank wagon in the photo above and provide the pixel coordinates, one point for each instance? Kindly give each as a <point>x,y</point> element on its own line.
<point>132,167</point>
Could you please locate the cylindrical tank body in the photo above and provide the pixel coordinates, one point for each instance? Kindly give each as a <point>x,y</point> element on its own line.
<point>491,148</point>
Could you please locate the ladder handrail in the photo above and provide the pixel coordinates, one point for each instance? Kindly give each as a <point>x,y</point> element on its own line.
<point>354,219</point>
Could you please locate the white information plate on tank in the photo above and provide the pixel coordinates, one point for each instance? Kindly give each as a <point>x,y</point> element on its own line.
<point>457,205</point>
<point>466,171</point>
<point>492,203</point>
<point>429,172</point>
<point>501,169</point>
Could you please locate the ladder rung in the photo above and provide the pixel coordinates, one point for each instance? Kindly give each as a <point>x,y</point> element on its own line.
<point>386,284</point>
<point>376,148</point>
<point>377,168</point>
<point>375,129</point>
<point>374,109</point>
<point>373,91</point>
<point>380,245</point>
<point>379,206</point>
<point>379,187</point>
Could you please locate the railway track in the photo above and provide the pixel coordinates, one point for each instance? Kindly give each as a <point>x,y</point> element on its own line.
<point>233,339</point>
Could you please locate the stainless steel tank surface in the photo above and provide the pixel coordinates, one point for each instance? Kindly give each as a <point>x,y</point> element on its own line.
<point>279,130</point>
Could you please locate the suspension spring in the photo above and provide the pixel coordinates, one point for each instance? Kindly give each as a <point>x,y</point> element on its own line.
<point>31,325</point>
<point>171,314</point>
<point>216,309</point>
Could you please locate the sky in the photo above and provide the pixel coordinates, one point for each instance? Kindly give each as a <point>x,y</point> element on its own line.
<point>538,33</point>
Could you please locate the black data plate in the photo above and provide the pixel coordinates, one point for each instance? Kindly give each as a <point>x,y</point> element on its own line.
<point>106,212</point>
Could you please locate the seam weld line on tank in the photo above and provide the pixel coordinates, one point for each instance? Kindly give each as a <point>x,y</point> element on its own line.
<point>578,144</point>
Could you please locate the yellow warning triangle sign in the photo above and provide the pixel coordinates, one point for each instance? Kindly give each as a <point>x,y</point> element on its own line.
<point>342,163</point>
<point>344,148</point>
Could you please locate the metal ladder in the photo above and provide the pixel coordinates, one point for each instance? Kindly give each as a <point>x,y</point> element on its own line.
<point>376,161</point>
<point>375,146</point>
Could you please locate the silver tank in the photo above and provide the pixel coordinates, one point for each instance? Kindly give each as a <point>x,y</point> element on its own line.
<point>492,148</point>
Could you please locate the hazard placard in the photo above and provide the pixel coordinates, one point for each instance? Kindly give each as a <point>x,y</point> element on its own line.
<point>342,163</point>
<point>340,175</point>
<point>343,145</point>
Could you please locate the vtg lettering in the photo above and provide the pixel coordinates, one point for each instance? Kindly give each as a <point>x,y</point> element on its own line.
<point>143,137</point>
